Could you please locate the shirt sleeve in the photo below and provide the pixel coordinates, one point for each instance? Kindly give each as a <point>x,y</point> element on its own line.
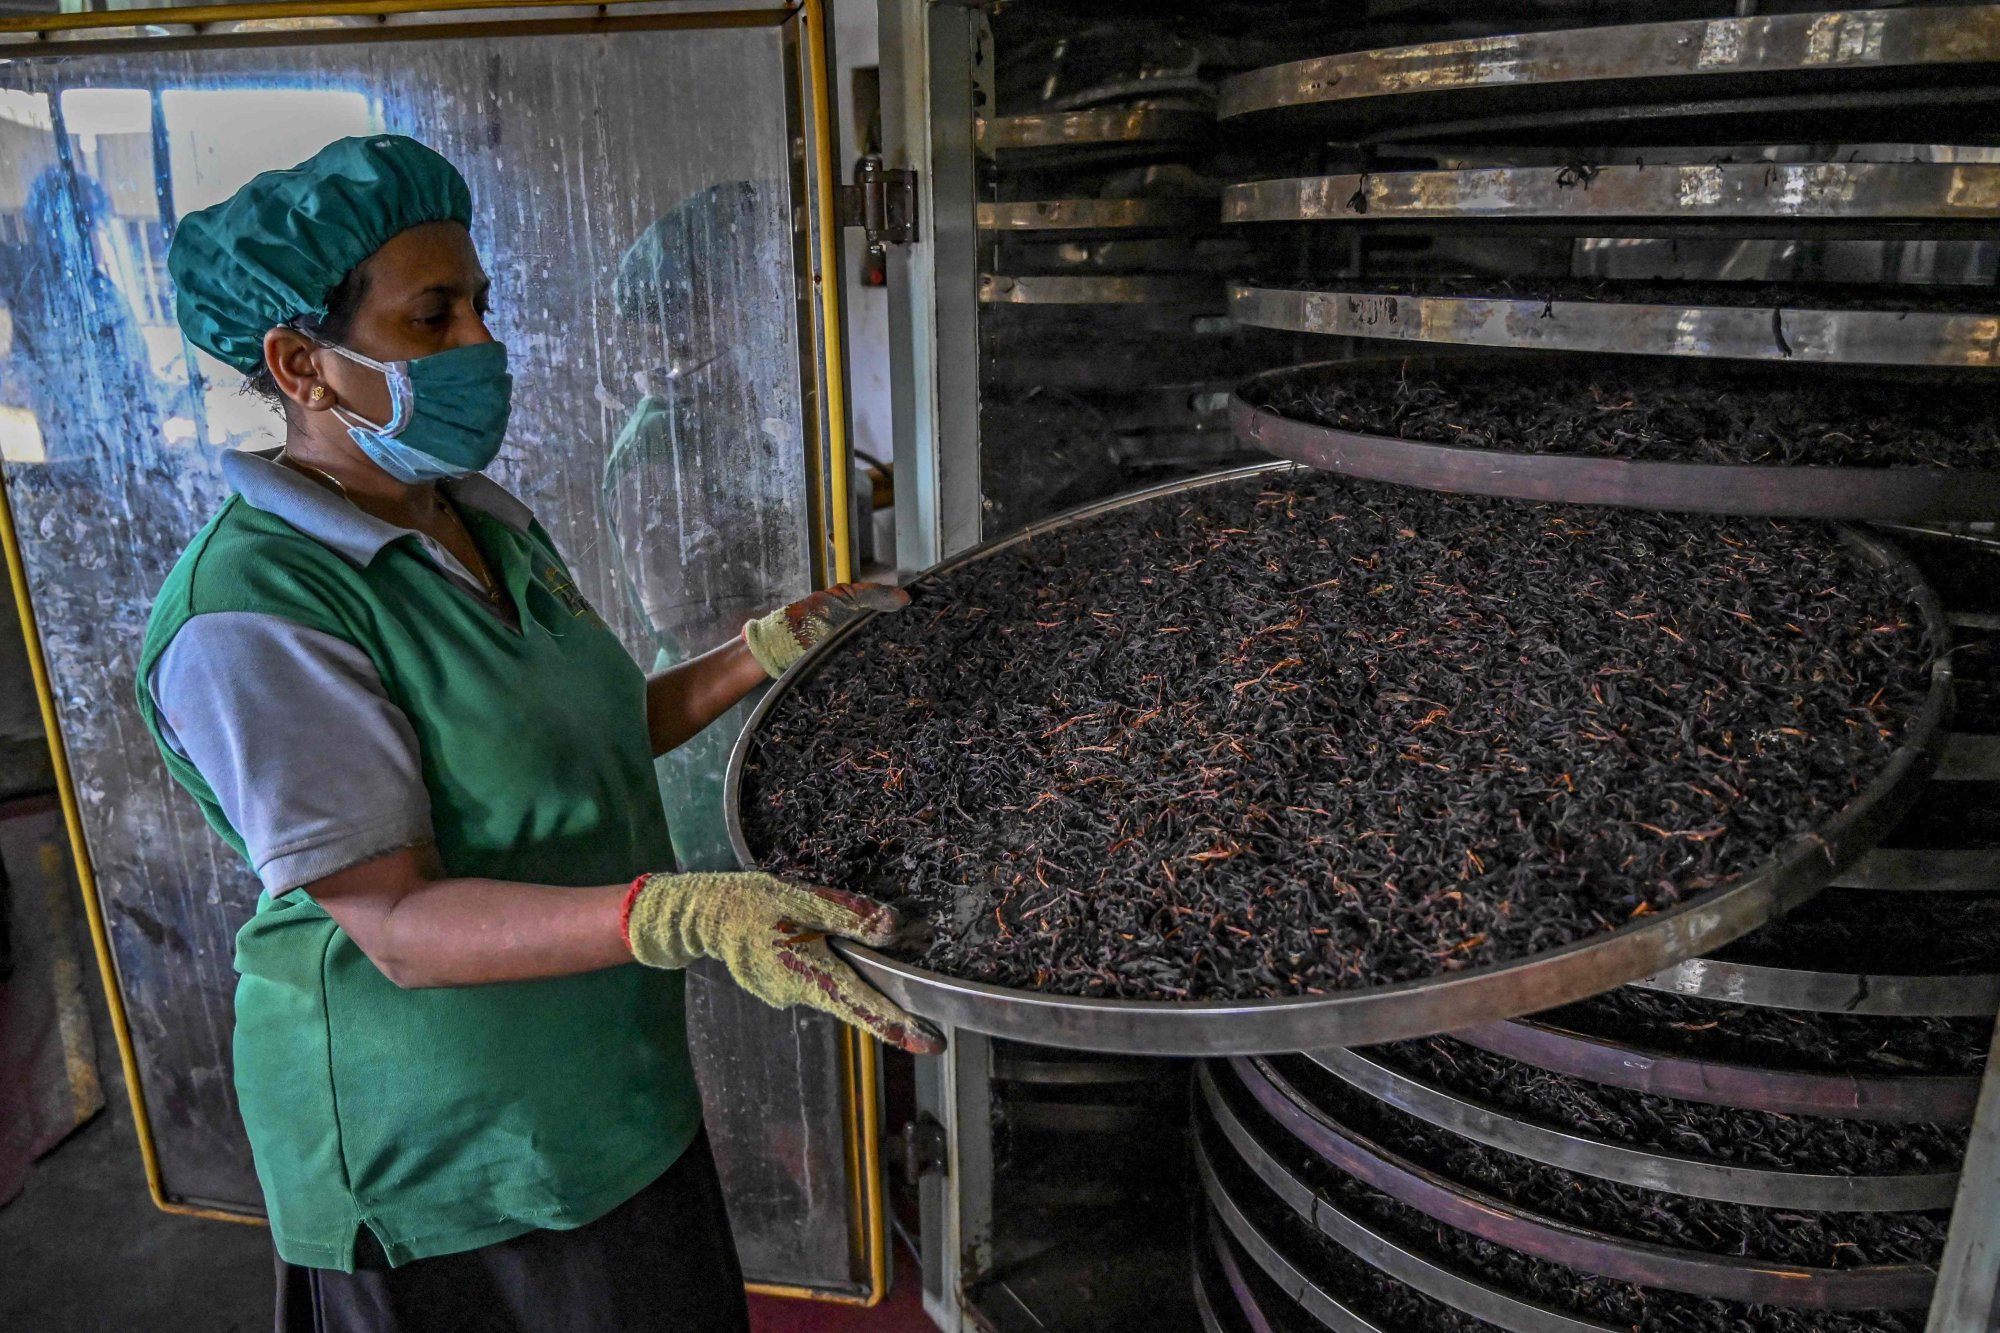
<point>312,764</point>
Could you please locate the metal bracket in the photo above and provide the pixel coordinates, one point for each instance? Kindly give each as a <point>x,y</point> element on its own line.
<point>925,1148</point>
<point>882,202</point>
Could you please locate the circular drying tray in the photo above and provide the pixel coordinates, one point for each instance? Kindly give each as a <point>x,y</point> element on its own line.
<point>1872,994</point>
<point>1627,1164</point>
<point>1636,74</point>
<point>1119,125</point>
<point>1097,215</point>
<point>1292,1270</point>
<point>1736,332</point>
<point>1100,289</point>
<point>1942,1099</point>
<point>1229,1288</point>
<point>1233,1230</point>
<point>1901,1286</point>
<point>1906,494</point>
<point>1368,1015</point>
<point>1592,197</point>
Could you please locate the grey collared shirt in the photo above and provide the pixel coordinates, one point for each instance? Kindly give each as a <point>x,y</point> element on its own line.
<point>309,759</point>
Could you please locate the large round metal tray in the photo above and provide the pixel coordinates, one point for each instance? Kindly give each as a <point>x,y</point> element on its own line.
<point>1212,1295</point>
<point>1097,215</point>
<point>1646,1264</point>
<point>1100,289</point>
<point>1105,126</point>
<point>1408,1009</point>
<point>1942,1099</point>
<point>1907,494</point>
<point>1880,995</point>
<point>1738,332</point>
<point>1667,67</point>
<point>1236,1290</point>
<point>1790,192</point>
<point>1674,1173</point>
<point>1499,1308</point>
<point>1235,1227</point>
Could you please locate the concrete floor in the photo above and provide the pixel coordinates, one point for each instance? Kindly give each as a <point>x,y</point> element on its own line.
<point>83,1249</point>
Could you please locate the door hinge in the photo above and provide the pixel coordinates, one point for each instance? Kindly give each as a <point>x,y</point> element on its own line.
<point>882,202</point>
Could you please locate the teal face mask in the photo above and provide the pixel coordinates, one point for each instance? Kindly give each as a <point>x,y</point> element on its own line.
<point>449,412</point>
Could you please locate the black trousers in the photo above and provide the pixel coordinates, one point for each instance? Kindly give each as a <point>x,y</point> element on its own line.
<point>661,1262</point>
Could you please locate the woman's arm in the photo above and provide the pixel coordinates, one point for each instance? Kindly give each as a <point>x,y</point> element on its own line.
<point>683,699</point>
<point>425,929</point>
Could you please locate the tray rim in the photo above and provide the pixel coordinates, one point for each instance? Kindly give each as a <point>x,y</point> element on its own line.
<point>1889,1098</point>
<point>1747,490</point>
<point>1600,53</point>
<point>1792,193</point>
<point>1431,1277</point>
<point>1870,994</point>
<point>1626,1164</point>
<point>1719,330</point>
<point>1521,1228</point>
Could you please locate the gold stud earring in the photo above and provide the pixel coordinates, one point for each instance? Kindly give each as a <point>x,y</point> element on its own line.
<point>318,394</point>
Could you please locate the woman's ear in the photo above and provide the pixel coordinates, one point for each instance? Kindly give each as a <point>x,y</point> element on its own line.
<point>291,358</point>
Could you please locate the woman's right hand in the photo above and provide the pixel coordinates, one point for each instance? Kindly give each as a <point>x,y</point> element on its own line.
<point>772,936</point>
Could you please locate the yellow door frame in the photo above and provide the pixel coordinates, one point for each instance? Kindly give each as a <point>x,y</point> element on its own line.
<point>829,475</point>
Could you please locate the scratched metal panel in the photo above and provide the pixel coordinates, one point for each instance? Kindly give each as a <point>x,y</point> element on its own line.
<point>634,208</point>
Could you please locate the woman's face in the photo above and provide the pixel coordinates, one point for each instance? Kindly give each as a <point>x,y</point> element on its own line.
<point>424,292</point>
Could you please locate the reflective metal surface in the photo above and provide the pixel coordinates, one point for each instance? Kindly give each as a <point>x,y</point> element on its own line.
<point>1674,1173</point>
<point>582,152</point>
<point>1735,191</point>
<point>936,59</point>
<point>1310,1296</point>
<point>1100,289</point>
<point>1409,1009</point>
<point>1943,1099</point>
<point>1902,494</point>
<point>1405,1265</point>
<point>1942,996</point>
<point>1137,122</point>
<point>1832,43</point>
<point>1866,1287</point>
<point>1247,1304</point>
<point>1740,332</point>
<point>1968,1298</point>
<point>1097,215</point>
<point>1206,1305</point>
<point>1924,869</point>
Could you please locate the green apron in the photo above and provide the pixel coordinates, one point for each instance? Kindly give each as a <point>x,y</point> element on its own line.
<point>444,1120</point>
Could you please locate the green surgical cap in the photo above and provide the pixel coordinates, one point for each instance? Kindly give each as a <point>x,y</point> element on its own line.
<point>272,251</point>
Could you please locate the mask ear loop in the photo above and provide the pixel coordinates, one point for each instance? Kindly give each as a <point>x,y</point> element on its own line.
<point>402,393</point>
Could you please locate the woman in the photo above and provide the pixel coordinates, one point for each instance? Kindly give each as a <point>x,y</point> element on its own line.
<point>468,1109</point>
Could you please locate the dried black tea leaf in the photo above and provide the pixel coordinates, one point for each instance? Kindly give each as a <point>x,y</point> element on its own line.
<point>1289,735</point>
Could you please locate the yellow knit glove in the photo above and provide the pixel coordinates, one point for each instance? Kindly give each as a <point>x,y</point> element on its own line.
<point>772,937</point>
<point>784,636</point>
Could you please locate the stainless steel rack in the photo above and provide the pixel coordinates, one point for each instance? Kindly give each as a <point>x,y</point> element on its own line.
<point>1545,160</point>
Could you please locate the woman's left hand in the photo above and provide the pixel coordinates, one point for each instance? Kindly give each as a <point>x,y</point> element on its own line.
<point>784,636</point>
